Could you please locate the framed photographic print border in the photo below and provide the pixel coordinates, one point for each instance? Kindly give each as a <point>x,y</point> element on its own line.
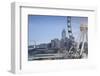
<point>17,17</point>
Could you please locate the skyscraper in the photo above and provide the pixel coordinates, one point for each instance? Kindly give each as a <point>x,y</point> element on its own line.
<point>55,43</point>
<point>63,34</point>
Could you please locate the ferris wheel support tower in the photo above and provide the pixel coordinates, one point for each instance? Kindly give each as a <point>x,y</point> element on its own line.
<point>83,37</point>
<point>69,27</point>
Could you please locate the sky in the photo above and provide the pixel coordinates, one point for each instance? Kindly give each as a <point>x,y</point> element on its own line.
<point>42,29</point>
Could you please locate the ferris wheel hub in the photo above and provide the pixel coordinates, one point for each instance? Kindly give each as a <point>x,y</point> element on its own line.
<point>83,27</point>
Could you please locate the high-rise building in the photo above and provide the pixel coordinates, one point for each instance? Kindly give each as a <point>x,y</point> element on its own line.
<point>55,43</point>
<point>63,34</point>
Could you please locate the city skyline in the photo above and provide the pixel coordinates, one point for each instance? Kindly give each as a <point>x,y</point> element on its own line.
<point>43,29</point>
